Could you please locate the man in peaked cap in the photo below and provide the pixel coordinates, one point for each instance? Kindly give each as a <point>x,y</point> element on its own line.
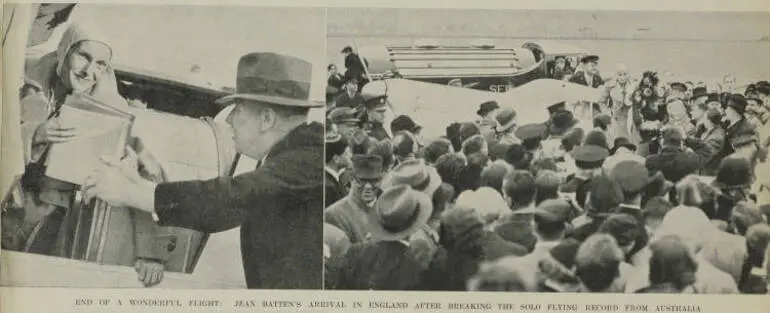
<point>345,121</point>
<point>277,205</point>
<point>376,106</point>
<point>531,136</point>
<point>588,160</point>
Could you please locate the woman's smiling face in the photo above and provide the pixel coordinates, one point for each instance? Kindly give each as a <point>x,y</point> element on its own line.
<point>84,65</point>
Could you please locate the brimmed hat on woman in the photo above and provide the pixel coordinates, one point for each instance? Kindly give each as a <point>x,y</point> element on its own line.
<point>506,119</point>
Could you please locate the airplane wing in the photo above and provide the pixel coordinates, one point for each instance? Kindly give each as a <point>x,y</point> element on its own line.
<point>435,106</point>
<point>546,91</point>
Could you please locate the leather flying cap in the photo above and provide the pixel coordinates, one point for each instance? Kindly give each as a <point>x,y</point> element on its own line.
<point>273,78</point>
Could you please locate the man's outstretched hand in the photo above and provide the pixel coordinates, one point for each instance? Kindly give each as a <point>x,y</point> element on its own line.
<point>118,183</point>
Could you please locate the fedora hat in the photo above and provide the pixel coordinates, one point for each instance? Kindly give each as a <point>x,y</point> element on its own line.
<point>417,175</point>
<point>367,166</point>
<point>487,107</point>
<point>273,78</point>
<point>398,213</point>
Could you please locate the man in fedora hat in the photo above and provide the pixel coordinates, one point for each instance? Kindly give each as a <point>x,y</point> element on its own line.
<point>486,122</point>
<point>278,205</point>
<point>708,141</point>
<point>740,135</point>
<point>385,262</point>
<point>349,213</point>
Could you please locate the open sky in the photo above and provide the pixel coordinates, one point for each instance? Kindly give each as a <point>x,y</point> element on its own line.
<point>171,38</point>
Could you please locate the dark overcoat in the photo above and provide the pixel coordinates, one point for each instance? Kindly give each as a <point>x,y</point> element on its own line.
<point>378,265</point>
<point>279,207</point>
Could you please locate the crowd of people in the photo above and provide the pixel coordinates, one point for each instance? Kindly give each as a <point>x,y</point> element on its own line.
<point>661,193</point>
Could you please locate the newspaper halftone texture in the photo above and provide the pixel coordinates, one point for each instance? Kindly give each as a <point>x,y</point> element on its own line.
<point>136,176</point>
<point>553,151</point>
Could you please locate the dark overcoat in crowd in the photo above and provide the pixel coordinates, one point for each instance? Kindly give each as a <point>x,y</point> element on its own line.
<point>450,270</point>
<point>377,131</point>
<point>738,135</point>
<point>334,189</point>
<point>279,207</point>
<point>708,145</point>
<point>378,265</point>
<point>355,69</point>
<point>424,244</point>
<point>496,247</point>
<point>343,100</point>
<point>644,237</point>
<point>647,148</point>
<point>580,78</point>
<point>674,163</point>
<point>335,80</point>
<point>517,228</point>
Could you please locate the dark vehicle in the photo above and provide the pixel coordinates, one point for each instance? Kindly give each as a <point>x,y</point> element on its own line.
<point>480,65</point>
